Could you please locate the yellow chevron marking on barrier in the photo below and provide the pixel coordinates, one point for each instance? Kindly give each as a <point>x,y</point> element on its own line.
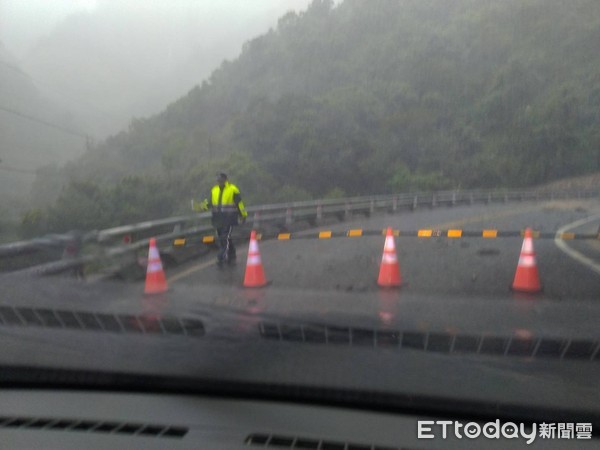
<point>534,234</point>
<point>490,234</point>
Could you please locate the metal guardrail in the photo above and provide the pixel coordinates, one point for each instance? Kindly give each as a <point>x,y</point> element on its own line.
<point>281,215</point>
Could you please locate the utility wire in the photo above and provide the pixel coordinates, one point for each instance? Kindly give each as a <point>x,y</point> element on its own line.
<point>15,68</point>
<point>43,122</point>
<point>14,169</point>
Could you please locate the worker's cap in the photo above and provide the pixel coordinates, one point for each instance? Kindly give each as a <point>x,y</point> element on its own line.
<point>221,177</point>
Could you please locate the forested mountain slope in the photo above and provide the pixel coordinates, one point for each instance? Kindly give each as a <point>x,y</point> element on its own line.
<point>364,97</point>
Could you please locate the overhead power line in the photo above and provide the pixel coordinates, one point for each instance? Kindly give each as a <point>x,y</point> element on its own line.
<point>17,170</point>
<point>15,68</point>
<point>43,122</point>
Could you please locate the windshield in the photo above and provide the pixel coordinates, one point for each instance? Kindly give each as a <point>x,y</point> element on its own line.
<point>389,198</point>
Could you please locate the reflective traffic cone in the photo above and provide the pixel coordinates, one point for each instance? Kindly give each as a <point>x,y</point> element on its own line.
<point>527,278</point>
<point>255,274</point>
<point>156,282</point>
<point>389,273</point>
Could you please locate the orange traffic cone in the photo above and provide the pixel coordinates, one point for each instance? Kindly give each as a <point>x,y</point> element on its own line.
<point>156,282</point>
<point>527,278</point>
<point>389,273</point>
<point>255,274</point>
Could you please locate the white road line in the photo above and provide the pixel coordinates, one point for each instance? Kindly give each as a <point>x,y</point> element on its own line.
<point>199,267</point>
<point>190,271</point>
<point>577,256</point>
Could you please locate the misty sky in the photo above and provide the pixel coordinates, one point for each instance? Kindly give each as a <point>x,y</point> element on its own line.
<point>106,61</point>
<point>24,22</point>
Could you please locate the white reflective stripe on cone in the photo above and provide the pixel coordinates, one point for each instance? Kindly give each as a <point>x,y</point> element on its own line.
<point>153,253</point>
<point>389,244</point>
<point>389,258</point>
<point>527,246</point>
<point>527,261</point>
<point>253,247</point>
<point>154,266</point>
<point>254,260</point>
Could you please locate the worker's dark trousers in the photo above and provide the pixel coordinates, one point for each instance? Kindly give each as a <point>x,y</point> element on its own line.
<point>226,247</point>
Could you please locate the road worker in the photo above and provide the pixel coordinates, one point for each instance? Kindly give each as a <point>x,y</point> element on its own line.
<point>225,202</point>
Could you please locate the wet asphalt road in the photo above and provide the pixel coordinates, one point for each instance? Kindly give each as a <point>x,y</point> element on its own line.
<point>478,267</point>
<point>456,287</point>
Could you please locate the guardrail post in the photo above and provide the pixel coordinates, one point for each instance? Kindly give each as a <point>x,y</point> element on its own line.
<point>395,204</point>
<point>471,199</point>
<point>256,220</point>
<point>289,217</point>
<point>372,207</point>
<point>454,198</point>
<point>347,211</point>
<point>71,252</point>
<point>319,212</point>
<point>415,202</point>
<point>489,199</point>
<point>433,201</point>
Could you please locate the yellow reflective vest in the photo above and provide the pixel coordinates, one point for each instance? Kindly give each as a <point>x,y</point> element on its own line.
<point>226,204</point>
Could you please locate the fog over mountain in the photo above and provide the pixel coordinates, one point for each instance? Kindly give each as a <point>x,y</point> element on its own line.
<point>343,98</point>
<point>34,132</point>
<point>109,61</point>
<point>73,72</point>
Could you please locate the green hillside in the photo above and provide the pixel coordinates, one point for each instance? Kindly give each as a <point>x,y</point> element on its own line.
<point>364,97</point>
